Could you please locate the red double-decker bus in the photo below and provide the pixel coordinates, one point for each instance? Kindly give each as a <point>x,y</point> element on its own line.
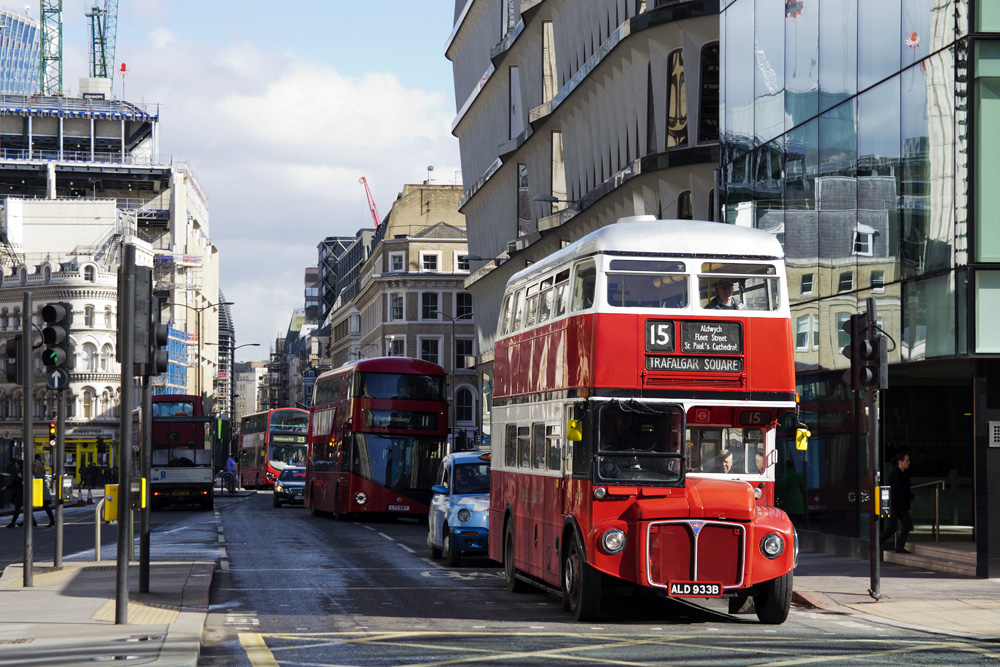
<point>639,372</point>
<point>182,468</point>
<point>378,430</point>
<point>269,441</point>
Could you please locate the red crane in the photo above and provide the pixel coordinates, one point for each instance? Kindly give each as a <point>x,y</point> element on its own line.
<point>371,202</point>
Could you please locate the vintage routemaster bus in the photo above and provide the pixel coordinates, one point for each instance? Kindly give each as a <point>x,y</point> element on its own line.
<point>269,441</point>
<point>639,372</point>
<point>378,430</point>
<point>182,469</point>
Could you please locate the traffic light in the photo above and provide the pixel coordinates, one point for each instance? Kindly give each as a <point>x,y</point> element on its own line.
<point>868,353</point>
<point>857,328</point>
<point>52,434</point>
<point>55,335</point>
<point>13,348</point>
<point>159,335</point>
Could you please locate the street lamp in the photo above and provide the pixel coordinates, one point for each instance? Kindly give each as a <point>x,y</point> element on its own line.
<point>199,310</point>
<point>454,375</point>
<point>232,391</point>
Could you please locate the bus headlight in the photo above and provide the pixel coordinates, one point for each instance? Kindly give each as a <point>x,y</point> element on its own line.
<point>613,541</point>
<point>360,498</point>
<point>600,492</point>
<point>464,515</point>
<point>772,545</point>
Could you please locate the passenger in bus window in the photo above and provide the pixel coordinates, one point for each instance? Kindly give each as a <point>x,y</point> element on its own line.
<point>724,461</point>
<point>724,299</point>
<point>759,461</point>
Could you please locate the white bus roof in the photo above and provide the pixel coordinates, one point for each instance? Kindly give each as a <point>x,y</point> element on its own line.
<point>672,238</point>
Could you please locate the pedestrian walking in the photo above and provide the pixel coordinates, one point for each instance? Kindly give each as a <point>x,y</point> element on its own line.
<point>900,498</point>
<point>16,487</point>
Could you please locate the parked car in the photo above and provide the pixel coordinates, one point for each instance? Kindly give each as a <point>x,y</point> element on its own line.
<point>290,486</point>
<point>458,521</point>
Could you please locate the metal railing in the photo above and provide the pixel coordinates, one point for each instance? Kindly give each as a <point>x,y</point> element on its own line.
<point>939,486</point>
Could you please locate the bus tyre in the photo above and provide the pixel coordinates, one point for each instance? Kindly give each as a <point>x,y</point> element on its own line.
<point>581,584</point>
<point>312,502</point>
<point>773,599</point>
<point>337,514</point>
<point>514,585</point>
<point>453,556</point>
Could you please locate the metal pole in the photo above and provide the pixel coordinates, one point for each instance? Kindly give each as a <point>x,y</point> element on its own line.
<point>874,548</point>
<point>197,389</point>
<point>58,471</point>
<point>145,453</point>
<point>126,343</point>
<point>232,391</point>
<point>28,446</point>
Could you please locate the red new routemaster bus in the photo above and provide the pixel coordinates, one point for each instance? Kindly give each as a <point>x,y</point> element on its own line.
<point>269,441</point>
<point>182,468</point>
<point>378,430</point>
<point>628,413</point>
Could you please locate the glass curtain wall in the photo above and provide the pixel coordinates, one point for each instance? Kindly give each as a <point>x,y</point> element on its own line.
<point>843,133</point>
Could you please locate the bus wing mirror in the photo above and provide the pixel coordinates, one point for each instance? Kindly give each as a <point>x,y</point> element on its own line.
<point>574,430</point>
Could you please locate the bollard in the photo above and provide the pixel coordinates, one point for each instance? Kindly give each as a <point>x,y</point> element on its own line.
<point>97,530</point>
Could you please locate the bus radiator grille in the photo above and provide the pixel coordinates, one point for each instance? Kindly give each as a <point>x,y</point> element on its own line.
<point>673,551</point>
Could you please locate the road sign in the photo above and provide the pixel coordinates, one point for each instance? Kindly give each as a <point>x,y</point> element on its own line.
<point>57,378</point>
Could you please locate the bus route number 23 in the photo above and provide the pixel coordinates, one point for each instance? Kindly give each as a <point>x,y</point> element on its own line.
<point>659,336</point>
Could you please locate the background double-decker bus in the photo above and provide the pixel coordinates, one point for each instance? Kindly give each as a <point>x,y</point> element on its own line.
<point>628,415</point>
<point>269,441</point>
<point>378,430</point>
<point>182,469</point>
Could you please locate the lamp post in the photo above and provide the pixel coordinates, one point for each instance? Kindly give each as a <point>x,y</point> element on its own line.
<point>232,388</point>
<point>454,370</point>
<point>199,310</point>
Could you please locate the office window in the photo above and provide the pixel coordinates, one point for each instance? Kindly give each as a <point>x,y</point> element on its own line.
<point>863,242</point>
<point>846,282</point>
<point>396,308</point>
<point>397,262</point>
<point>430,261</point>
<point>806,286</point>
<point>843,337</point>
<point>396,347</point>
<point>429,306</point>
<point>430,349</point>
<point>878,280</point>
<point>464,406</point>
<point>463,306</point>
<point>463,348</point>
<point>802,332</point>
<point>88,316</point>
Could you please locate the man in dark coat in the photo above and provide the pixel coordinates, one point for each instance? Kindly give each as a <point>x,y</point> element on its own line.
<point>16,486</point>
<point>899,503</point>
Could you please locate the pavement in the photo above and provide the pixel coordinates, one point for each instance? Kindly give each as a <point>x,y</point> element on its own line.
<point>68,616</point>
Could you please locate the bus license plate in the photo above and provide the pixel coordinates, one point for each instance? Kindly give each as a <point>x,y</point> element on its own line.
<point>399,508</point>
<point>182,493</point>
<point>695,589</point>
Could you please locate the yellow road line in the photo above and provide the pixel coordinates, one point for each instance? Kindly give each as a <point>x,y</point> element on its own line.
<point>257,651</point>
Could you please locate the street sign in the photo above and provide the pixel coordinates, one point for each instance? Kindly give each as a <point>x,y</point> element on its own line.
<point>57,378</point>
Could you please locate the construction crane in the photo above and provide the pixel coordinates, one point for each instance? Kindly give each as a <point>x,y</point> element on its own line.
<point>50,79</point>
<point>371,202</point>
<point>103,27</point>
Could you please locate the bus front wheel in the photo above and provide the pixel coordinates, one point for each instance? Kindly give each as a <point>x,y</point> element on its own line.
<point>338,515</point>
<point>581,584</point>
<point>773,599</point>
<point>514,585</point>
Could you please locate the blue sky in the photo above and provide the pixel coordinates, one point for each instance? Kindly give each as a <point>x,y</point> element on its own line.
<point>280,108</point>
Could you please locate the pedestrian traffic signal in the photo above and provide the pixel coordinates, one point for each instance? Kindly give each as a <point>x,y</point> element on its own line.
<point>55,335</point>
<point>159,336</point>
<point>13,348</point>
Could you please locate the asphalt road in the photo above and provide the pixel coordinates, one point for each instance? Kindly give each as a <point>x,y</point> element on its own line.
<point>297,589</point>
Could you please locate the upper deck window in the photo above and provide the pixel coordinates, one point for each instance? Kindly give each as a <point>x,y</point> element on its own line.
<point>738,286</point>
<point>647,284</point>
<point>584,285</point>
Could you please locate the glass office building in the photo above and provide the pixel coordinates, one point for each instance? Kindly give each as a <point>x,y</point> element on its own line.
<point>20,43</point>
<point>865,135</point>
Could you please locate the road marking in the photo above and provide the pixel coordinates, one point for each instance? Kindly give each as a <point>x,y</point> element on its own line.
<point>256,650</point>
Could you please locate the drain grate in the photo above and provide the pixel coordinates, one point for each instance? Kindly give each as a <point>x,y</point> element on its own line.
<point>16,641</point>
<point>100,568</point>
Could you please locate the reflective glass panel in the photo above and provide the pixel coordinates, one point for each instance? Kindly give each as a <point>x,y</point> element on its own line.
<point>928,318</point>
<point>801,70</point>
<point>769,76</point>
<point>838,52</point>
<point>739,75</point>
<point>878,57</point>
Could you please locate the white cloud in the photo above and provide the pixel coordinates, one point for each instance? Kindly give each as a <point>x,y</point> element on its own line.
<point>278,143</point>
